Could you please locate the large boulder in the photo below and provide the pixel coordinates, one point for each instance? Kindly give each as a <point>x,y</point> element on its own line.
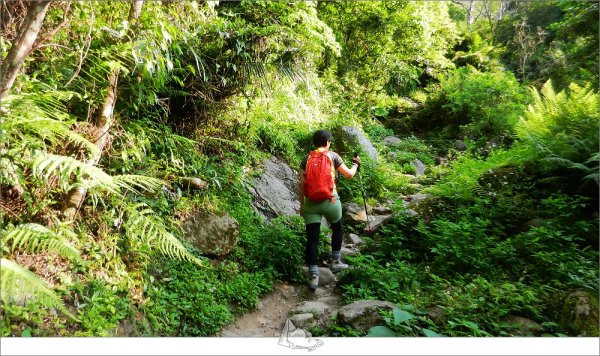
<point>326,277</point>
<point>312,306</point>
<point>354,213</point>
<point>460,146</point>
<point>376,223</point>
<point>391,140</point>
<point>348,137</point>
<point>419,167</point>
<point>302,320</point>
<point>275,191</point>
<point>363,314</point>
<point>424,205</point>
<point>579,313</point>
<point>212,234</point>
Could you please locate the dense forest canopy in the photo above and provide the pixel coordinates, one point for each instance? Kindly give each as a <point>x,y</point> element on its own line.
<point>109,108</point>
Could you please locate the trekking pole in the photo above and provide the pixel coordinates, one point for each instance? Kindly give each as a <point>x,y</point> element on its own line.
<point>364,195</point>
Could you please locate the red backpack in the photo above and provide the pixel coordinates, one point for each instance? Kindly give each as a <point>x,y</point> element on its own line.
<point>318,181</point>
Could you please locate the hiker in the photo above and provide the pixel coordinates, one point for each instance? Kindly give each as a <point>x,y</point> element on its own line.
<point>319,197</point>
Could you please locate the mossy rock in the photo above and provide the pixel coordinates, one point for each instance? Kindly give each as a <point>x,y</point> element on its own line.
<point>579,313</point>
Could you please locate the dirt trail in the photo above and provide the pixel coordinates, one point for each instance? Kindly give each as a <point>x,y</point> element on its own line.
<point>269,317</point>
<point>274,309</point>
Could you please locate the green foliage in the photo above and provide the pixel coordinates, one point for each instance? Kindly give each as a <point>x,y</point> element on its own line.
<point>244,290</point>
<point>100,307</point>
<point>463,181</point>
<point>383,279</point>
<point>276,248</point>
<point>205,89</point>
<point>407,151</point>
<point>378,132</point>
<point>476,105</point>
<point>380,43</point>
<point>405,320</point>
<point>187,301</point>
<point>34,319</point>
<point>142,224</point>
<point>563,128</point>
<point>20,285</point>
<point>565,35</point>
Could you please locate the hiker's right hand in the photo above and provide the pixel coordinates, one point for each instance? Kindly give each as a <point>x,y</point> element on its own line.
<point>356,160</point>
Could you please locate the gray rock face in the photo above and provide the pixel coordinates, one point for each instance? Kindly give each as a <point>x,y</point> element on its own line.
<point>275,191</point>
<point>354,239</point>
<point>354,213</point>
<point>347,251</point>
<point>419,167</point>
<point>376,223</point>
<point>213,234</point>
<point>460,145</point>
<point>382,210</point>
<point>326,277</point>
<point>302,320</point>
<point>415,198</point>
<point>313,307</point>
<point>363,314</point>
<point>391,140</point>
<point>349,136</point>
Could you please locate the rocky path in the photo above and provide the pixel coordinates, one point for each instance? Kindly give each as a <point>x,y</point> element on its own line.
<point>297,303</point>
<point>303,307</point>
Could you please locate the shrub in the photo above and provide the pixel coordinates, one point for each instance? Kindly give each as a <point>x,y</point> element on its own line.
<point>475,105</point>
<point>183,300</point>
<point>563,129</point>
<point>101,307</point>
<point>277,248</point>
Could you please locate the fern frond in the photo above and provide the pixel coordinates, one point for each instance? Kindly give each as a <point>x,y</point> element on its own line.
<point>35,238</point>
<point>40,117</point>
<point>138,184</point>
<point>65,167</point>
<point>20,285</point>
<point>142,224</point>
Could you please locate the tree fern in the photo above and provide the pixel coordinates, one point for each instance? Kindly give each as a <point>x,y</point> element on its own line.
<point>34,238</point>
<point>20,285</point>
<point>143,224</point>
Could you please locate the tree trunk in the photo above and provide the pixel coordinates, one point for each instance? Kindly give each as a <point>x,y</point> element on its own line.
<point>102,125</point>
<point>471,13</point>
<point>135,10</point>
<point>23,44</point>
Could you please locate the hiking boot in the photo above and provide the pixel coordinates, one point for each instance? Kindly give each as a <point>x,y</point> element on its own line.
<point>337,265</point>
<point>313,282</point>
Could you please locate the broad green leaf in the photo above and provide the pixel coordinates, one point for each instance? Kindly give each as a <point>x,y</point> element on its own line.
<point>431,333</point>
<point>381,331</point>
<point>401,316</point>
